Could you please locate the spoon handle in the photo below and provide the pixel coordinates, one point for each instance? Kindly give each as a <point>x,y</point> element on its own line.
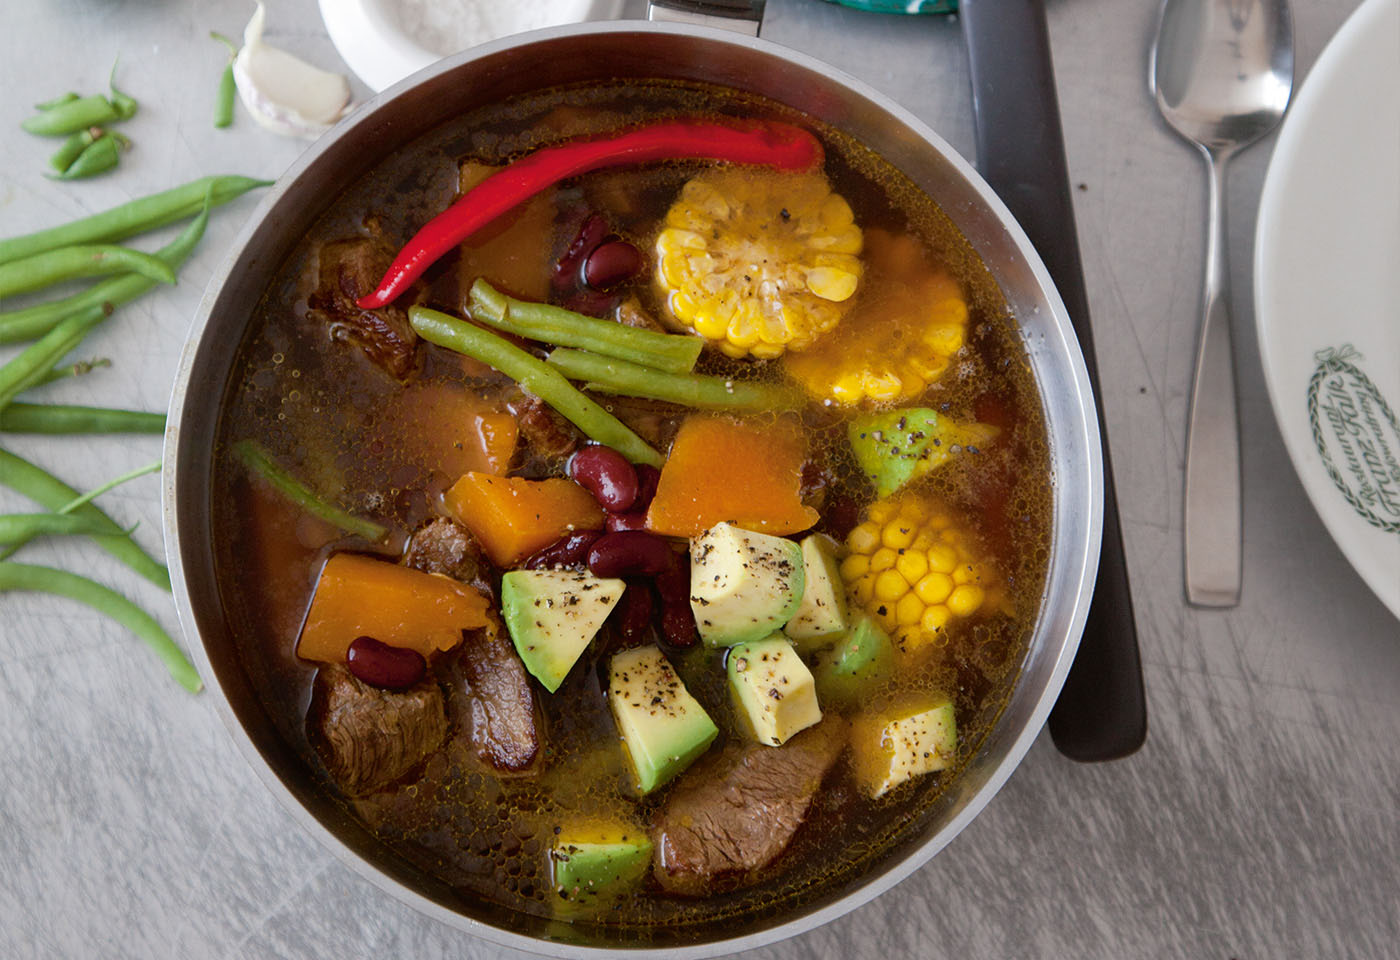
<point>1212,511</point>
<point>1101,713</point>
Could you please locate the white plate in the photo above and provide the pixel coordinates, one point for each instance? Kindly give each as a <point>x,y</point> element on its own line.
<point>373,40</point>
<point>1327,291</point>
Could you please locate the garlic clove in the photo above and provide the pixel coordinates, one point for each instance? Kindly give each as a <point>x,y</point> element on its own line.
<point>283,93</point>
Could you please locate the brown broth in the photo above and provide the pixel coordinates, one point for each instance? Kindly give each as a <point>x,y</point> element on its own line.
<point>325,412</point>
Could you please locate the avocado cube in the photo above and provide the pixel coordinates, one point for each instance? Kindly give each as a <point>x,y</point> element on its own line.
<point>821,614</point>
<point>895,447</point>
<point>860,662</point>
<point>594,865</point>
<point>773,689</point>
<point>663,728</point>
<point>743,585</point>
<point>552,615</point>
<point>898,744</point>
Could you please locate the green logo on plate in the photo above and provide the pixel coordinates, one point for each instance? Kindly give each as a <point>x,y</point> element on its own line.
<point>1357,435</point>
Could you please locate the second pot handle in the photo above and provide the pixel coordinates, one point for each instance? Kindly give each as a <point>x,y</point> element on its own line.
<point>740,16</point>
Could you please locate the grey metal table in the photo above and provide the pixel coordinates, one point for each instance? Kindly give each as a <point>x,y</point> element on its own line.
<point>1259,821</point>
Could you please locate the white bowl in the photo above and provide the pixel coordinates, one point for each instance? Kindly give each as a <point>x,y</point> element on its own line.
<point>373,41</point>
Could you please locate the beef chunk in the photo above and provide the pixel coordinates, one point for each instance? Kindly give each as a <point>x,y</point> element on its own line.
<point>503,717</point>
<point>445,546</point>
<point>349,269</point>
<point>631,314</point>
<point>544,431</point>
<point>734,812</point>
<point>368,737</point>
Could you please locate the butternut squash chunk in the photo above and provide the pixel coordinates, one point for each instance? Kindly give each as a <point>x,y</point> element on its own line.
<point>744,471</point>
<point>512,517</point>
<point>361,596</point>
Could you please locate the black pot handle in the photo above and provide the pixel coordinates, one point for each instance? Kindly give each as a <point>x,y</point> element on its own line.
<point>1102,710</point>
<point>741,16</point>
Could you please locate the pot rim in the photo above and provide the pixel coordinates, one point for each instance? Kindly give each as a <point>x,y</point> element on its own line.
<point>1079,577</point>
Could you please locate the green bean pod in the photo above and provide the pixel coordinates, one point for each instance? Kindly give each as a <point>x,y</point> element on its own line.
<point>73,147</point>
<point>256,458</point>
<point>52,493</point>
<point>228,86</point>
<point>79,369</point>
<point>86,310</point>
<point>23,527</point>
<point>672,352</point>
<point>535,376</point>
<point>64,419</point>
<point>57,101</point>
<point>71,263</point>
<point>71,116</point>
<point>101,155</point>
<point>129,219</point>
<point>607,375</point>
<point>24,576</point>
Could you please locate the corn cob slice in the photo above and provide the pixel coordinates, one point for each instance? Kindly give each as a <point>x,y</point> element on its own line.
<point>759,262</point>
<point>916,571</point>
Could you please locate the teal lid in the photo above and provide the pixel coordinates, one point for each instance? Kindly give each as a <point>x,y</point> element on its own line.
<point>902,6</point>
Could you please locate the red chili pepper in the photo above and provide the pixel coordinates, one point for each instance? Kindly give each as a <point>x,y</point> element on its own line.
<point>765,143</point>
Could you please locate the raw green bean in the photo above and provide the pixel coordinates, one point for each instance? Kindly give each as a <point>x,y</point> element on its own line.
<point>228,87</point>
<point>60,418</point>
<point>606,375</point>
<point>73,147</point>
<point>93,304</point>
<point>257,459</point>
<point>36,360</point>
<point>129,219</point>
<point>23,527</point>
<point>68,97</point>
<point>47,490</point>
<point>672,352</point>
<point>96,492</point>
<point>535,376</point>
<point>125,106</point>
<point>101,155</point>
<point>24,576</point>
<point>70,263</point>
<point>79,369</point>
<point>72,116</point>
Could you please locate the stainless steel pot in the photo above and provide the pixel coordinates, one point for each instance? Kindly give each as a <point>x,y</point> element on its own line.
<point>574,55</point>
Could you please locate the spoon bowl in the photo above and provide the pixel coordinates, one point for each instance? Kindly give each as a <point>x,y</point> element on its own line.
<point>1221,72</point>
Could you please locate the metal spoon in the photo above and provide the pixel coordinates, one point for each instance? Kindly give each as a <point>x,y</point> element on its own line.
<point>1222,74</point>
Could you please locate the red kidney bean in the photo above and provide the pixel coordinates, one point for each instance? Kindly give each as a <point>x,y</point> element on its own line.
<point>629,553</point>
<point>606,474</point>
<point>591,233</point>
<point>632,616</point>
<point>636,518</point>
<point>570,550</point>
<point>380,665</point>
<point>611,263</point>
<point>677,617</point>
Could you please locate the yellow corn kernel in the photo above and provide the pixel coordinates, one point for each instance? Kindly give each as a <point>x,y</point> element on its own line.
<point>885,617</point>
<point>950,536</point>
<point>897,535</point>
<point>864,538</point>
<point>963,573</point>
<point>882,511</point>
<point>934,588</point>
<point>890,586</point>
<point>864,590</point>
<point>854,567</point>
<point>908,610</point>
<point>912,565</point>
<point>942,558</point>
<point>830,283</point>
<point>934,619</point>
<point>882,560</point>
<point>924,540</point>
<point>965,600</point>
<point>910,638</point>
